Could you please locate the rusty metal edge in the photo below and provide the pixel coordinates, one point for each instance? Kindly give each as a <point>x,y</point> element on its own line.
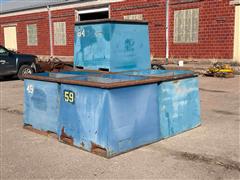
<point>40,132</point>
<point>48,134</point>
<point>101,154</point>
<point>149,80</point>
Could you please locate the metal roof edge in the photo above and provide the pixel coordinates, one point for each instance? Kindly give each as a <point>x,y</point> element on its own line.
<point>43,6</point>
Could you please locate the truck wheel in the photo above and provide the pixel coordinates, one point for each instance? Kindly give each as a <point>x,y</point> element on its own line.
<point>24,70</point>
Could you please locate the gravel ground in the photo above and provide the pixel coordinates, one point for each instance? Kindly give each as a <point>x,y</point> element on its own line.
<point>210,151</point>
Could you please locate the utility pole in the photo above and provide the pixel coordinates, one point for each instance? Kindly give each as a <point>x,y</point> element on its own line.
<point>50,30</point>
<point>167,31</point>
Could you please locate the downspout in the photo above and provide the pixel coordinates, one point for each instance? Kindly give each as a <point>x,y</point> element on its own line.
<point>50,30</point>
<point>167,31</point>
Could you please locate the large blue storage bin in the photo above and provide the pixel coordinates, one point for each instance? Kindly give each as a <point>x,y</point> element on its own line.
<point>112,45</point>
<point>109,114</point>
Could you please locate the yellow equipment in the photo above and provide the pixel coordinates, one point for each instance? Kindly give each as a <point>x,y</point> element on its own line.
<point>220,70</point>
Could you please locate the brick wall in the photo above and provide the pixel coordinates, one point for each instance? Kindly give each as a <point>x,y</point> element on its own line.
<point>154,12</point>
<point>41,19</point>
<point>216,30</point>
<point>67,16</point>
<point>21,21</point>
<point>216,27</point>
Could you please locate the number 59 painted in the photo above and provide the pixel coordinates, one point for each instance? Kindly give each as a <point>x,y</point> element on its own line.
<point>69,96</point>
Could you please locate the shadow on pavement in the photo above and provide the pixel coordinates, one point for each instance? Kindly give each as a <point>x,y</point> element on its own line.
<point>2,79</point>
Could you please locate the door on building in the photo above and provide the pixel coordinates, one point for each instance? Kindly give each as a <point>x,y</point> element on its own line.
<point>93,14</point>
<point>10,37</point>
<point>237,34</point>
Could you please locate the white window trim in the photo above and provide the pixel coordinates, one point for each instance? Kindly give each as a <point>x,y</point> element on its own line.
<point>8,25</point>
<point>88,11</point>
<point>61,7</point>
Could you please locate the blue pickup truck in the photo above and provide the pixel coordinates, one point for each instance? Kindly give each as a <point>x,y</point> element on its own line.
<point>12,63</point>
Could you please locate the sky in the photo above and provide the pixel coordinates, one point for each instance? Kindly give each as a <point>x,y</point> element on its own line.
<point>14,4</point>
<point>1,1</point>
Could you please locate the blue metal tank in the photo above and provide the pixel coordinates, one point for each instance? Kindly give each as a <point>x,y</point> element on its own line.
<point>109,114</point>
<point>112,45</point>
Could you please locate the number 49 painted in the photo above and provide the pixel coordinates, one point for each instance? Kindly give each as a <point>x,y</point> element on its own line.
<point>30,89</point>
<point>69,96</point>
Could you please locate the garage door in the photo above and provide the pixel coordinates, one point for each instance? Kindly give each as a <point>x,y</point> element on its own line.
<point>237,34</point>
<point>10,37</point>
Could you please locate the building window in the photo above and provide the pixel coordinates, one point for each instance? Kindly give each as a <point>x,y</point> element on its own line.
<point>32,39</point>
<point>59,33</point>
<point>186,26</point>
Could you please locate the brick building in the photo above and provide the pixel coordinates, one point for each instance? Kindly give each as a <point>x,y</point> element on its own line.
<point>179,29</point>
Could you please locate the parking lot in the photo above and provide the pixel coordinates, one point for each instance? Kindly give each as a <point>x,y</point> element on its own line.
<point>210,151</point>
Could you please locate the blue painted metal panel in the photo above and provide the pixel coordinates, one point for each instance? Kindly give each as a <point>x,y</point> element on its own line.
<point>41,105</point>
<point>92,46</point>
<point>129,50</point>
<point>158,73</point>
<point>108,78</point>
<point>66,74</point>
<point>85,120</point>
<point>178,102</point>
<point>117,120</point>
<point>179,106</point>
<point>114,46</point>
<point>133,119</point>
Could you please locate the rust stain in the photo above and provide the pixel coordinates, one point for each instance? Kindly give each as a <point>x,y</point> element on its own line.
<point>54,65</point>
<point>96,149</point>
<point>82,144</point>
<point>44,133</point>
<point>65,138</point>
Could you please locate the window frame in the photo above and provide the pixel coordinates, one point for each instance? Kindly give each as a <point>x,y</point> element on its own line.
<point>56,41</point>
<point>192,25</point>
<point>29,43</point>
